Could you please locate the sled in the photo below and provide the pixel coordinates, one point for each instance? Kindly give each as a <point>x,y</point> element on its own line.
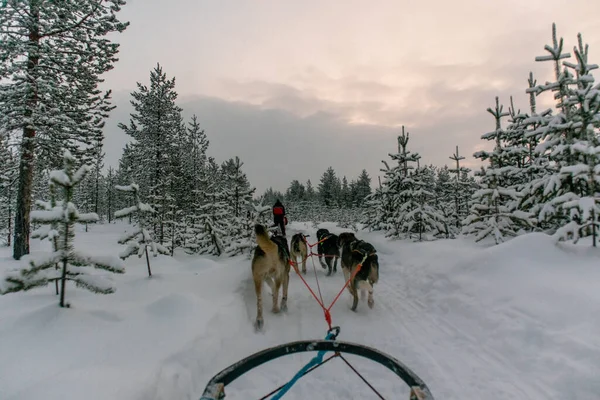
<point>215,389</point>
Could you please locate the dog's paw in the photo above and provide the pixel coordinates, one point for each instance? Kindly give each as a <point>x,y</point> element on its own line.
<point>304,271</point>
<point>371,303</point>
<point>258,325</point>
<point>328,273</point>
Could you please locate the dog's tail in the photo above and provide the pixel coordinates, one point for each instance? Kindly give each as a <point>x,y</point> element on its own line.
<point>262,238</point>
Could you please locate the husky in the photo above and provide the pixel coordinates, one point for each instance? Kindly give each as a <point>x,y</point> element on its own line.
<point>298,248</point>
<point>355,252</point>
<point>271,264</point>
<point>328,249</point>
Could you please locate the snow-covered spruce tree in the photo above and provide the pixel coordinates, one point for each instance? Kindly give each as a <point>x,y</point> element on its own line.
<point>556,135</point>
<point>154,127</point>
<point>50,230</point>
<point>397,184</point>
<point>374,212</point>
<point>444,201</point>
<point>361,189</point>
<point>239,192</point>
<point>139,239</point>
<point>516,149</point>
<point>329,188</point>
<point>195,158</point>
<point>311,203</point>
<point>213,223</point>
<point>582,202</point>
<point>494,211</point>
<point>41,270</point>
<point>537,168</point>
<point>460,186</point>
<point>210,225</point>
<point>296,203</point>
<point>420,217</point>
<point>53,54</point>
<point>558,185</point>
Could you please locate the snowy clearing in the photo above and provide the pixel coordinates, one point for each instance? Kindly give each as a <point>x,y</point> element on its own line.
<point>513,321</point>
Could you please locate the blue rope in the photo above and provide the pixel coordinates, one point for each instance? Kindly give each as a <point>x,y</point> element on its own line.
<point>318,359</point>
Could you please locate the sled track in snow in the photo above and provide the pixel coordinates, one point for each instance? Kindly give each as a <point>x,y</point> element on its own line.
<point>450,362</point>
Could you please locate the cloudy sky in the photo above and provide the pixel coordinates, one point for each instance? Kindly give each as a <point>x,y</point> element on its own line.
<point>292,87</point>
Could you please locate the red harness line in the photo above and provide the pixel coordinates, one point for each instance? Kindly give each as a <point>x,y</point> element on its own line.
<point>326,310</point>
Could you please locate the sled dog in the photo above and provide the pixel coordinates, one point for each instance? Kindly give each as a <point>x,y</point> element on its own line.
<point>298,248</point>
<point>328,249</point>
<point>353,253</point>
<point>270,264</point>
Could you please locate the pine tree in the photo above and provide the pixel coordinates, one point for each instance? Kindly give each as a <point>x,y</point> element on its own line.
<point>237,189</point>
<point>398,184</point>
<point>62,219</point>
<point>582,202</point>
<point>154,128</point>
<point>362,188</point>
<point>329,188</point>
<point>459,187</point>
<point>445,201</point>
<point>198,143</point>
<point>53,106</point>
<point>50,231</point>
<point>140,239</point>
<point>495,211</point>
<point>213,223</point>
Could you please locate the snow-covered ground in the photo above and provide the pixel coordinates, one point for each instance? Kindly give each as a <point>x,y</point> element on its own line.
<point>515,321</point>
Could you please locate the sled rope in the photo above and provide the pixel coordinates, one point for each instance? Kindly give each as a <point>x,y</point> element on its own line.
<point>312,364</point>
<point>327,310</point>
<point>319,289</point>
<point>311,369</point>
<point>317,361</point>
<point>361,377</point>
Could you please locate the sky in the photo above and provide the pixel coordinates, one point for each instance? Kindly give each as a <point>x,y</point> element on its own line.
<point>293,87</point>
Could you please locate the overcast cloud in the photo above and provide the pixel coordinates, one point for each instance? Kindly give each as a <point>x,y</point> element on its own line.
<point>292,87</point>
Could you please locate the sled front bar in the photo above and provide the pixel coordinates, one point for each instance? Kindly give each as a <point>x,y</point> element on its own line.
<point>215,389</point>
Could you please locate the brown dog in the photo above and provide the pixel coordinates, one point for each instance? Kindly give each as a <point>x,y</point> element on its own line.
<point>298,248</point>
<point>271,264</point>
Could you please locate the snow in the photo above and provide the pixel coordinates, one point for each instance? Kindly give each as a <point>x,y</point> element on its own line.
<point>514,321</point>
<point>56,214</point>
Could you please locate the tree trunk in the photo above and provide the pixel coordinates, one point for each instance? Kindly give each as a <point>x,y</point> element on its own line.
<point>10,216</point>
<point>63,277</point>
<point>147,261</point>
<point>63,281</point>
<point>22,227</point>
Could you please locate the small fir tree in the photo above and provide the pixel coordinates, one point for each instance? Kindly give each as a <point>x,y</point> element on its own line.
<point>139,240</point>
<point>41,270</point>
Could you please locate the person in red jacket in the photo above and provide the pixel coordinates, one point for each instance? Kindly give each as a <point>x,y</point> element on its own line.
<point>279,216</point>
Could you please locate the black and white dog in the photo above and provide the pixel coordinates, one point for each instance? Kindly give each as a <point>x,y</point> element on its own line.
<point>354,252</point>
